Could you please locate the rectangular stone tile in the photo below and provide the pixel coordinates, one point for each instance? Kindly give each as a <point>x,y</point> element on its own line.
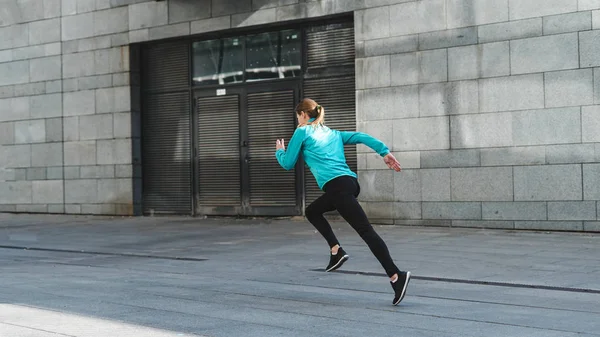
<point>465,13</point>
<point>149,14</point>
<point>36,173</point>
<point>596,19</point>
<point>474,130</point>
<point>45,106</point>
<point>448,38</point>
<point>118,151</point>
<point>482,184</point>
<point>98,209</point>
<point>44,31</point>
<point>78,64</point>
<point>12,109</point>
<point>111,21</point>
<point>54,173</point>
<point>259,4</point>
<point>29,208</point>
<point>80,153</point>
<point>591,226</point>
<point>381,130</point>
<point>79,103</point>
<point>511,93</point>
<point>483,224</point>
<point>184,11</point>
<point>547,126</point>
<point>548,182</point>
<point>479,61</point>
<point>71,128</point>
<point>15,156</point>
<point>115,191</point>
<point>570,153</point>
<point>388,103</point>
<point>7,133</point>
<point>377,185</point>
<point>47,192</point>
<point>56,209</point>
<point>590,123</point>
<point>72,172</point>
<point>585,5</point>
<point>97,172</point>
<point>450,158</point>
<point>435,184</point>
<point>94,82</point>
<point>77,26</point>
<point>569,88</point>
<point>113,60</point>
<point>430,133</point>
<point>73,209</point>
<point>572,210</point>
<point>96,127</point>
<point>514,210</point>
<point>589,48</point>
<point>6,56</point>
<point>30,89</point>
<point>163,32</point>
<point>227,7</point>
<point>48,154</point>
<point>379,212</point>
<point>452,210</point>
<point>521,9</point>
<point>122,125</point>
<point>591,181</point>
<point>373,72</point>
<point>417,17</point>
<point>421,67</point>
<point>118,40</point>
<point>14,73</point>
<point>7,175</point>
<point>209,25</point>
<point>372,23</point>
<point>14,36</point>
<point>548,53</point>
<point>453,98</point>
<point>566,23</point>
<point>550,225</point>
<point>391,45</point>
<point>15,192</point>
<point>406,210</point>
<point>140,35</point>
<point>81,191</point>
<point>113,100</point>
<point>33,131</point>
<point>123,171</point>
<point>407,186</point>
<point>510,30</point>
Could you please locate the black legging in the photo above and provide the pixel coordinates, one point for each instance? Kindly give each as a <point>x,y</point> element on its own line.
<point>340,194</point>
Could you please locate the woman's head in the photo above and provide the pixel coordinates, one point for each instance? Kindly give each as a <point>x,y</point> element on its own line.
<point>307,109</point>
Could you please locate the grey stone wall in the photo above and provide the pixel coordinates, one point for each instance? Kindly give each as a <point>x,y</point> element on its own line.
<point>492,106</point>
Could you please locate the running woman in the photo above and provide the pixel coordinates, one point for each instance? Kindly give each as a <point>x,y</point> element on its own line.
<point>323,152</point>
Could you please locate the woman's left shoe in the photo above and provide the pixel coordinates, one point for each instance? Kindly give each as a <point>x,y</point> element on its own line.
<point>400,286</point>
<point>337,260</point>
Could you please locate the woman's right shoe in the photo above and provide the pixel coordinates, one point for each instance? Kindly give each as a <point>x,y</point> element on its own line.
<point>400,286</point>
<point>337,260</point>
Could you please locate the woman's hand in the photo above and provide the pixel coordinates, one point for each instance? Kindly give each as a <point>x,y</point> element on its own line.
<point>280,145</point>
<point>392,162</point>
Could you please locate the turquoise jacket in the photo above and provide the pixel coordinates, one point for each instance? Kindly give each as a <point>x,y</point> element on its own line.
<point>323,151</point>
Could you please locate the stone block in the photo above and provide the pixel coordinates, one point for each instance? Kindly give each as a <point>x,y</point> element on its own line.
<point>590,124</point>
<point>48,192</point>
<point>163,32</point>
<point>84,6</point>
<point>260,17</point>
<point>111,21</point>
<point>566,23</point>
<point>7,175</point>
<point>510,30</point>
<point>94,127</point>
<point>118,40</point>
<point>94,82</point>
<point>547,126</point>
<point>550,225</point>
<point>12,109</point>
<point>589,48</point>
<point>450,158</point>
<point>26,53</point>
<point>591,226</point>
<point>514,210</point>
<point>122,125</point>
<point>79,26</point>
<point>421,67</point>
<point>7,91</point>
<point>81,191</point>
<point>7,133</point>
<point>377,185</point>
<point>381,130</point>
<point>408,160</point>
<point>448,38</point>
<point>119,80</point>
<point>72,172</point>
<point>54,173</point>
<point>569,88</point>
<point>260,4</point>
<point>452,98</point>
<point>522,9</point>
<point>417,17</point>
<point>15,192</point>
<point>435,184</point>
<point>596,19</point>
<point>36,173</point>
<point>70,85</point>
<point>73,209</point>
<point>570,154</point>
<point>20,174</point>
<point>465,13</point>
<point>80,153</point>
<point>30,89</point>
<point>469,131</point>
<point>372,23</point>
<point>149,14</point>
<point>44,31</point>
<point>482,184</point>
<point>452,210</point>
<point>14,36</point>
<point>373,72</point>
<point>140,35</point>
<point>8,208</point>
<point>115,191</point>
<point>56,209</point>
<point>78,64</point>
<point>407,186</point>
<point>45,106</point>
<point>227,7</point>
<point>547,53</point>
<point>184,11</point>
<point>209,25</point>
<point>118,151</point>
<point>33,131</point>
<point>113,60</point>
<point>572,210</point>
<point>404,210</point>
<point>480,61</point>
<point>6,56</point>
<point>430,133</point>
<point>591,181</point>
<point>47,154</point>
<point>98,209</point>
<point>305,10</point>
<point>54,87</point>
<point>97,172</point>
<point>586,5</point>
<point>29,208</point>
<point>15,156</point>
<point>14,73</point>
<point>71,128</point>
<point>511,93</point>
<point>388,103</point>
<point>550,182</point>
<point>79,103</point>
<point>51,8</point>
<point>113,100</point>
<point>483,224</point>
<point>391,45</point>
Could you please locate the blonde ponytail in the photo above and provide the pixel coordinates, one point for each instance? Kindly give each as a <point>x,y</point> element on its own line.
<point>320,116</point>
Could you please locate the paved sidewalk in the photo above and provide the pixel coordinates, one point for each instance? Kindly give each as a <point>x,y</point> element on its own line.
<point>177,276</point>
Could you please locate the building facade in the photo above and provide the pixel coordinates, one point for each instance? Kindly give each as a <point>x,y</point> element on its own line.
<point>132,107</point>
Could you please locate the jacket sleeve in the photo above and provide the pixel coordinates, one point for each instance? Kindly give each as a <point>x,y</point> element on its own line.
<point>375,144</point>
<point>288,158</point>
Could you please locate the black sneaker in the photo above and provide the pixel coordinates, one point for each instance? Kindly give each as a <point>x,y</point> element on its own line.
<point>400,286</point>
<point>337,260</point>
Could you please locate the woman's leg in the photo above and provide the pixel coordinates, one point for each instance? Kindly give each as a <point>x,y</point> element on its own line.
<point>314,214</point>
